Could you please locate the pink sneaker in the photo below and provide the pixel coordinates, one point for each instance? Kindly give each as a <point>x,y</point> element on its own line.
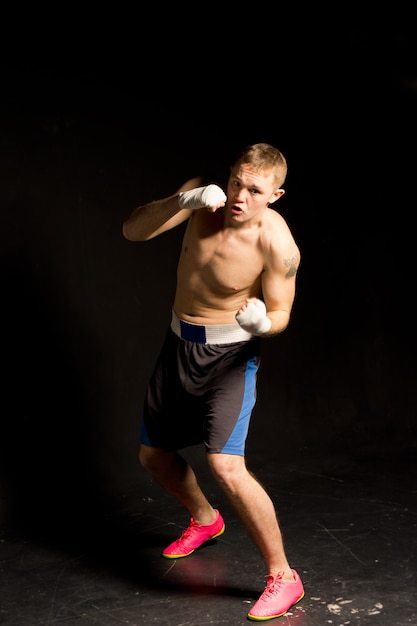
<point>193,537</point>
<point>278,597</point>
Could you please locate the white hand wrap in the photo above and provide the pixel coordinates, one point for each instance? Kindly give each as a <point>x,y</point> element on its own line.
<point>208,196</point>
<point>254,318</point>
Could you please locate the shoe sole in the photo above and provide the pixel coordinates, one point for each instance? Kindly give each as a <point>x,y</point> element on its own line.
<point>180,556</point>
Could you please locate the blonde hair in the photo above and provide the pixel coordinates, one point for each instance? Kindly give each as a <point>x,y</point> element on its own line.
<point>264,157</point>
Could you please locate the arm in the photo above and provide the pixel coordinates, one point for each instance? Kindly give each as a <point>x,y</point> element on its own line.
<point>278,288</point>
<point>154,218</point>
<point>271,315</point>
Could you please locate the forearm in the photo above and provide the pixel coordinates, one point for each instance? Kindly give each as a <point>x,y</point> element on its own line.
<point>156,217</point>
<point>254,317</point>
<point>279,322</point>
<point>153,218</point>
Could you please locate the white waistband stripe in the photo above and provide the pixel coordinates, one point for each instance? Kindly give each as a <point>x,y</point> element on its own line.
<point>213,333</point>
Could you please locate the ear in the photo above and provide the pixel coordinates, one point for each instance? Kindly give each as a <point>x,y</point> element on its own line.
<point>276,195</point>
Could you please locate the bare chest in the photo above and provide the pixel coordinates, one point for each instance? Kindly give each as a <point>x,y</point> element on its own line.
<point>222,263</point>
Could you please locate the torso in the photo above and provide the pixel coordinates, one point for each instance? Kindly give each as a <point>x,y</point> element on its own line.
<point>218,269</point>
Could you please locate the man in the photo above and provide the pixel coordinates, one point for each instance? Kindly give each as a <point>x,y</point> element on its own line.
<point>235,284</point>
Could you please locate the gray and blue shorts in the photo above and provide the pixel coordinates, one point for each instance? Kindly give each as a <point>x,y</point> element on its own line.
<point>202,389</point>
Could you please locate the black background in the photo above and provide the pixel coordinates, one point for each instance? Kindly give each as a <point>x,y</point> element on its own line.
<point>101,115</point>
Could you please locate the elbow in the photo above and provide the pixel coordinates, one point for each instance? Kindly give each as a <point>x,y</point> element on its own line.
<point>126,231</point>
<point>131,233</point>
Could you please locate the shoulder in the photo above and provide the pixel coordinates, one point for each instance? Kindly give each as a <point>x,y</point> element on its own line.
<point>277,241</point>
<point>275,229</point>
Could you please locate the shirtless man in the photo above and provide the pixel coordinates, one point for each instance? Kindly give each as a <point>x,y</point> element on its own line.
<point>235,284</point>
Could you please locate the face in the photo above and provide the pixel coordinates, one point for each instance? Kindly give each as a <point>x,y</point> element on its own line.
<point>249,193</point>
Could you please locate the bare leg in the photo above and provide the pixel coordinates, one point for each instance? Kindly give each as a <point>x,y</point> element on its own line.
<point>249,499</point>
<point>176,476</point>
<point>255,509</point>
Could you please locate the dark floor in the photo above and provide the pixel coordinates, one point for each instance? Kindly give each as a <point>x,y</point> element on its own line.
<point>85,140</point>
<point>350,523</point>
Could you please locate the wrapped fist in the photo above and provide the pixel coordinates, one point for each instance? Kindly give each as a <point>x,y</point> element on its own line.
<point>252,317</point>
<point>209,196</point>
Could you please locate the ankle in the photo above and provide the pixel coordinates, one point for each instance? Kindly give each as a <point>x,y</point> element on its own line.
<point>286,575</point>
<point>206,518</point>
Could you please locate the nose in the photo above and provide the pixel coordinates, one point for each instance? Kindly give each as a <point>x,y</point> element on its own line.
<point>239,195</point>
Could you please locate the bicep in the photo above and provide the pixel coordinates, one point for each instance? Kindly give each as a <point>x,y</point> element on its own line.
<point>278,290</point>
<point>279,279</point>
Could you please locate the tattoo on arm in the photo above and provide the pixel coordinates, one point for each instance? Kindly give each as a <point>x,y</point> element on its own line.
<point>292,265</point>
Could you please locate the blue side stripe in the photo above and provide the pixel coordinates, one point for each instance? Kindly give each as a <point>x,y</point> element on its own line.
<point>236,442</point>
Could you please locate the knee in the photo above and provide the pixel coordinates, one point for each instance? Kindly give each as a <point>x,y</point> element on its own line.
<point>155,460</point>
<point>228,470</point>
<point>147,457</point>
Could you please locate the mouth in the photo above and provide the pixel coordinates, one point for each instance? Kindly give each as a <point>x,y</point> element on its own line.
<point>236,210</point>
